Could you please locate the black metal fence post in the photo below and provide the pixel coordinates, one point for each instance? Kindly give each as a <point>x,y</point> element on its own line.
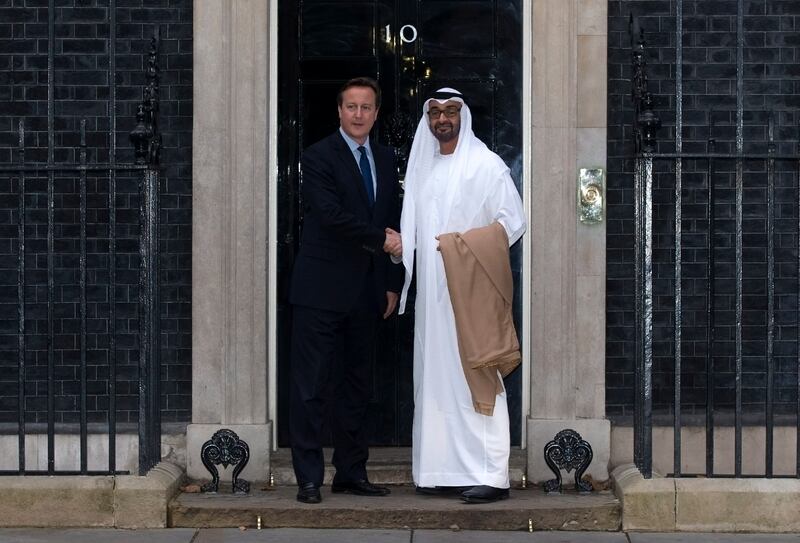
<point>82,274</point>
<point>645,352</point>
<point>112,237</point>
<point>797,315</point>
<point>645,125</point>
<point>21,301</point>
<point>147,141</point>
<point>710,306</point>
<point>770,399</point>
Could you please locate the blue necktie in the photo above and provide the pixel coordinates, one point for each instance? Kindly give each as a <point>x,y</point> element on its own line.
<point>366,173</point>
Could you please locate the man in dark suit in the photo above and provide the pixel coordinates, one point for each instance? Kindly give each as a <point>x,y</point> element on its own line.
<point>343,280</point>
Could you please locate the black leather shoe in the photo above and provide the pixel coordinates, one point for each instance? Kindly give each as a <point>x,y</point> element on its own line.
<point>484,494</point>
<point>441,490</point>
<point>359,488</point>
<point>308,493</point>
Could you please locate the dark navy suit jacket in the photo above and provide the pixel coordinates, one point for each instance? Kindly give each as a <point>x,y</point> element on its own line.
<point>342,238</point>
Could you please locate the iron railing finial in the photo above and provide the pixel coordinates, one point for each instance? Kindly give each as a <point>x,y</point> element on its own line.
<point>645,121</point>
<point>145,136</point>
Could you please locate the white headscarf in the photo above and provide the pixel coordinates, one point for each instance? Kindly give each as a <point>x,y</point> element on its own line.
<point>473,164</point>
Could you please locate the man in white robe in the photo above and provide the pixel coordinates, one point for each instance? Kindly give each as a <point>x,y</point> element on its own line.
<point>453,183</point>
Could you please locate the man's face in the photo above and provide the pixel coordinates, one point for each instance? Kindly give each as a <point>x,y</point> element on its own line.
<point>358,112</point>
<point>445,120</point>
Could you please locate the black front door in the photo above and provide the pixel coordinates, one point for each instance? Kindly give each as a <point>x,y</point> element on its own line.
<point>410,47</point>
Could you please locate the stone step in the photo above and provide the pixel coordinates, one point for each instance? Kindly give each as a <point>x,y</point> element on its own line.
<point>387,466</point>
<point>278,508</point>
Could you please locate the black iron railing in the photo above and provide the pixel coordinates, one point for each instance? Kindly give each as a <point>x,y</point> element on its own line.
<point>147,142</point>
<point>649,167</point>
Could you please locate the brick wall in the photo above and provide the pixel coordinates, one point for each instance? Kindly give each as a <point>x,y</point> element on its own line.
<point>771,84</point>
<point>82,92</point>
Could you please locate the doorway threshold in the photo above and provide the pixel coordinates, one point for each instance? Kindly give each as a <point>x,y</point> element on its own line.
<point>386,466</point>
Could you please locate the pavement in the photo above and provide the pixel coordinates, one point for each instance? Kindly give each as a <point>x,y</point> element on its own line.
<point>308,535</point>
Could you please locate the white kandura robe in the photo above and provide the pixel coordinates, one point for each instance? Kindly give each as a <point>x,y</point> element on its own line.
<point>452,444</point>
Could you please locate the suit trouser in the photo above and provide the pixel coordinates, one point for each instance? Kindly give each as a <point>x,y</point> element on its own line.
<point>330,348</point>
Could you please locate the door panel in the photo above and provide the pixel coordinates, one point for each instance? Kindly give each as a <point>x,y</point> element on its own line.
<point>457,29</point>
<point>329,31</point>
<point>411,47</point>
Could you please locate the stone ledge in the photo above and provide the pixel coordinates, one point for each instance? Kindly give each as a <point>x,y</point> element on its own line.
<point>57,501</point>
<point>706,505</point>
<point>647,504</point>
<point>124,501</point>
<point>142,502</point>
<point>737,505</point>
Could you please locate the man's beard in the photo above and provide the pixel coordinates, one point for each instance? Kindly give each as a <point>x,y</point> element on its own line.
<point>446,137</point>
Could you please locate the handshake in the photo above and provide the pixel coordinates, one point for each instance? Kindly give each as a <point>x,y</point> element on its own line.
<point>393,243</point>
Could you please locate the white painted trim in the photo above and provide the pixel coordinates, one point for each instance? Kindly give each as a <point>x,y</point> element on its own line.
<point>527,180</point>
<point>272,253</point>
<point>272,227</point>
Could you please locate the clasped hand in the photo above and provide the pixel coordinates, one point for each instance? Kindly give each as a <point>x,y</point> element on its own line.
<point>393,243</point>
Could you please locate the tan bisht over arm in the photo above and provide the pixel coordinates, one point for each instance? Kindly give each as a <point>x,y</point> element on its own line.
<point>481,290</point>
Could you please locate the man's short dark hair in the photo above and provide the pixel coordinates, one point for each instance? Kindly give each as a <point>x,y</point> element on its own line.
<point>361,82</point>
